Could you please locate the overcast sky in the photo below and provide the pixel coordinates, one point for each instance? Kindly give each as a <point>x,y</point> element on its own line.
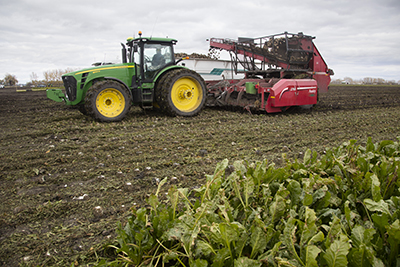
<point>357,39</point>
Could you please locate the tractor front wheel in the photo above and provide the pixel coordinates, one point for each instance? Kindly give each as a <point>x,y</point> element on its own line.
<point>107,101</point>
<point>181,92</point>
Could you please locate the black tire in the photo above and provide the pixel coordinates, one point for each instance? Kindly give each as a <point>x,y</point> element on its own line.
<point>181,92</point>
<point>82,109</point>
<point>107,101</point>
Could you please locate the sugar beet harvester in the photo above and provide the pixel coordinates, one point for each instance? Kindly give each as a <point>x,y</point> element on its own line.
<point>280,71</point>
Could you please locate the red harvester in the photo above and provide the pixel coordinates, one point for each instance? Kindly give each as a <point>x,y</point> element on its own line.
<point>281,71</point>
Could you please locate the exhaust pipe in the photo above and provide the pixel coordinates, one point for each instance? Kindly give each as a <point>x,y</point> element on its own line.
<point>123,53</point>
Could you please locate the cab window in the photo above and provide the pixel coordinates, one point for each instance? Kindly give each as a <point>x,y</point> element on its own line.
<point>156,56</point>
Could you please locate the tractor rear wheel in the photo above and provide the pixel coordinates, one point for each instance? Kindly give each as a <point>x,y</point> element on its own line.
<point>107,101</point>
<point>181,92</point>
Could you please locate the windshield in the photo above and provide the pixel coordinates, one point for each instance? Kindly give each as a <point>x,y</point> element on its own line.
<point>156,56</point>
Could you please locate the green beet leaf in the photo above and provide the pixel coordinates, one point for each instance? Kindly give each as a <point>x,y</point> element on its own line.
<point>336,254</point>
<point>203,249</point>
<point>307,157</point>
<point>380,206</point>
<point>199,263</point>
<point>258,241</point>
<point>394,241</point>
<point>312,254</point>
<point>361,254</point>
<point>294,188</point>
<point>289,239</point>
<point>246,262</point>
<point>375,187</point>
<point>222,258</point>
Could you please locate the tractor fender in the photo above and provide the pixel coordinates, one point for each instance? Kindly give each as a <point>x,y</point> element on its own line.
<point>167,69</point>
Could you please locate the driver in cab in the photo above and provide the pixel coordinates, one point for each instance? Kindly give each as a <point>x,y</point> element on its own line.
<point>158,58</point>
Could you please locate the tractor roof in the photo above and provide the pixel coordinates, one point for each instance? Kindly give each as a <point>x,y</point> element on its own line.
<point>153,39</point>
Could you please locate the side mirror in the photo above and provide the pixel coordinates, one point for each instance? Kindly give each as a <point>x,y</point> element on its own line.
<point>135,48</point>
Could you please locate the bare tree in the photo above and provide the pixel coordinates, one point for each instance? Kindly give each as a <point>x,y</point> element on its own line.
<point>34,79</point>
<point>368,80</point>
<point>10,79</point>
<point>54,77</point>
<point>380,81</point>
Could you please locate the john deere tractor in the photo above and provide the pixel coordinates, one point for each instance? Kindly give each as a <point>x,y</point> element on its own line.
<point>147,77</point>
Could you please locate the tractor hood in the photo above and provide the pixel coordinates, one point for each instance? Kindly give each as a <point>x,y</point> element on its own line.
<point>101,68</point>
<point>76,83</point>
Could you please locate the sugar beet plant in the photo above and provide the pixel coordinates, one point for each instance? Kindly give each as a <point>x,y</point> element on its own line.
<point>340,209</point>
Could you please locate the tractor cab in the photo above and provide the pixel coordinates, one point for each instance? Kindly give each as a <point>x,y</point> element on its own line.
<point>150,55</point>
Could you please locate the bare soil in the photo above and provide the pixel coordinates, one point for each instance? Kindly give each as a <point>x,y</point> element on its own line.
<point>66,180</point>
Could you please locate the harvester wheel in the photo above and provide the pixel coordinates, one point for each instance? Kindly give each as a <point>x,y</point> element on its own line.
<point>181,92</point>
<point>107,101</point>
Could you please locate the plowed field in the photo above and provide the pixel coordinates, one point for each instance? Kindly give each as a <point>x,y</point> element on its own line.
<point>66,180</point>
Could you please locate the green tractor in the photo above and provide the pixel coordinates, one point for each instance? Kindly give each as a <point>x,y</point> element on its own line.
<point>147,77</point>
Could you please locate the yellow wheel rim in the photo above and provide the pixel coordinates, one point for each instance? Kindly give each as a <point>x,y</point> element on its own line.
<point>110,102</point>
<point>186,94</point>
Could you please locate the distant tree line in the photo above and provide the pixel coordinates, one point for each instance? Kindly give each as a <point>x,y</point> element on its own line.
<point>366,80</point>
<point>52,78</point>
